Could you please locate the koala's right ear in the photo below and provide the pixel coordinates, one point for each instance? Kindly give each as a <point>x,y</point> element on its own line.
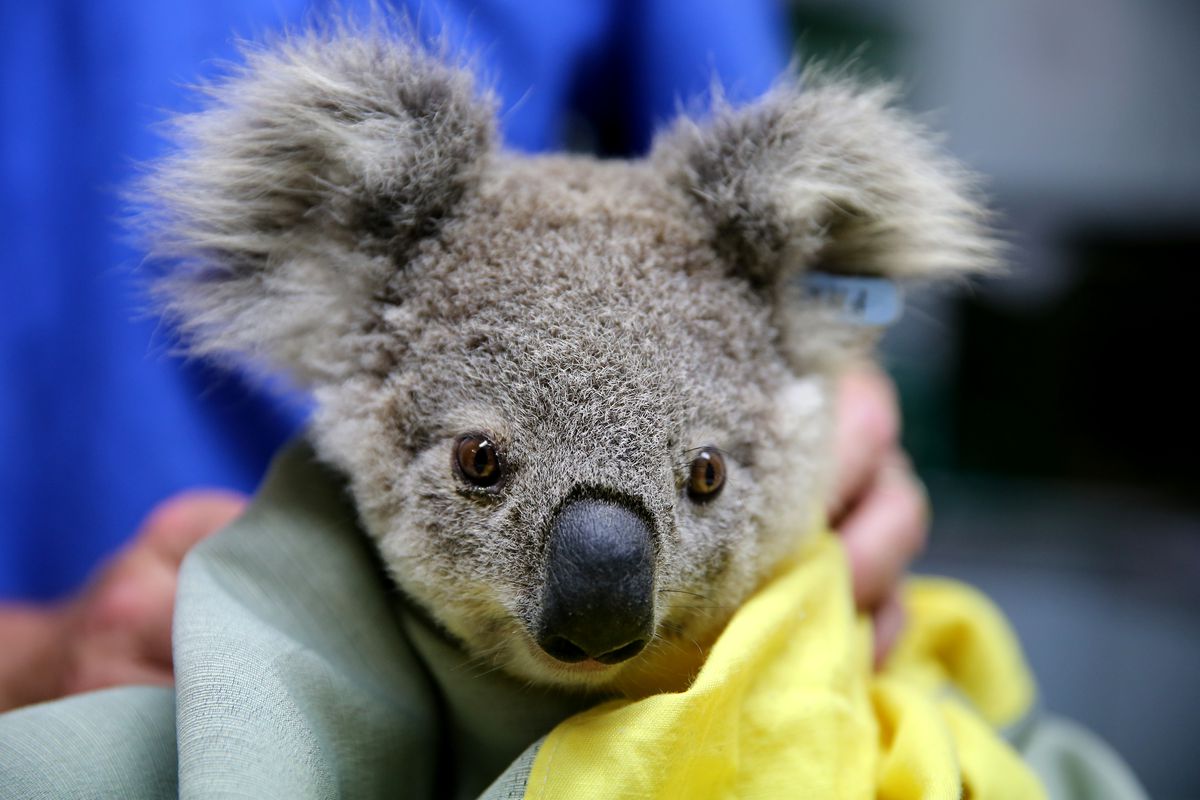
<point>829,176</point>
<point>301,189</point>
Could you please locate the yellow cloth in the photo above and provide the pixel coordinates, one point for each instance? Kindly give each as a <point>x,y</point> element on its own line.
<point>787,705</point>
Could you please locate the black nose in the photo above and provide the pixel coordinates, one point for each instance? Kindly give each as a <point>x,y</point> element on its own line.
<point>598,598</point>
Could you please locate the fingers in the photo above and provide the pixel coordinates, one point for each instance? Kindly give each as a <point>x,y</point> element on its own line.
<point>885,531</point>
<point>866,430</point>
<point>878,505</point>
<point>179,522</point>
<point>889,621</point>
<point>104,669</point>
<point>119,629</point>
<point>129,609</point>
<point>138,598</point>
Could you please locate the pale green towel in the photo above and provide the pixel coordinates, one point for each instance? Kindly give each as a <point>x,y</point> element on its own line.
<point>300,674</point>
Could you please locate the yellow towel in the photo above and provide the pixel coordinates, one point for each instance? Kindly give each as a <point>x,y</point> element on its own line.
<point>787,705</point>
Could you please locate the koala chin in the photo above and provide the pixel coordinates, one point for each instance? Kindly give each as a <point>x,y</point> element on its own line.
<point>582,404</point>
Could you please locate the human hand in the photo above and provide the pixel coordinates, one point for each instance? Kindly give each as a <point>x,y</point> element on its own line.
<point>878,505</point>
<point>117,630</point>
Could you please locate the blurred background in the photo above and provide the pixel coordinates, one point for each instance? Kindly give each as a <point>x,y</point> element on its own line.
<point>1051,412</point>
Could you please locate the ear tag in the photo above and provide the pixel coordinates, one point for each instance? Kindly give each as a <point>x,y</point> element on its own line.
<point>859,300</point>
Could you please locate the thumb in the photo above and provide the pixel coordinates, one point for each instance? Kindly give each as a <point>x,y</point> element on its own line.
<point>179,522</point>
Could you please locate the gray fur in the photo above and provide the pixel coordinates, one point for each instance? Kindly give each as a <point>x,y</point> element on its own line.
<point>316,167</point>
<point>338,211</point>
<point>832,175</point>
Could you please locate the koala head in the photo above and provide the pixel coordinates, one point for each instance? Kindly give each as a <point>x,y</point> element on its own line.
<point>582,404</point>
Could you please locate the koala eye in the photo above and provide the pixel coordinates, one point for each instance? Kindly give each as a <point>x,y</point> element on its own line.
<point>477,459</point>
<point>708,475</point>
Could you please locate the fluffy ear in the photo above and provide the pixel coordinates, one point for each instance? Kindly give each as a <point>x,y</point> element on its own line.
<point>833,173</point>
<point>831,176</point>
<point>301,188</point>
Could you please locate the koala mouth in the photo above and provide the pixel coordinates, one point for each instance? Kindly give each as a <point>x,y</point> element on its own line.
<point>597,603</point>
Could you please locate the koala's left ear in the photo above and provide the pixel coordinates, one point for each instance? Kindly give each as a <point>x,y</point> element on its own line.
<point>831,177</point>
<point>297,194</point>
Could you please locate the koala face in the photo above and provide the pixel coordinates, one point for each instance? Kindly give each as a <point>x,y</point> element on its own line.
<point>581,404</point>
<point>571,460</point>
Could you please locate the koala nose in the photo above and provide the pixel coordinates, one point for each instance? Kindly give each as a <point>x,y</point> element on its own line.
<point>598,598</point>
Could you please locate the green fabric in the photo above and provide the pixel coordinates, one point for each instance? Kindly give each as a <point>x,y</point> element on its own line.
<point>293,673</point>
<point>300,674</point>
<point>1073,763</point>
<point>115,743</point>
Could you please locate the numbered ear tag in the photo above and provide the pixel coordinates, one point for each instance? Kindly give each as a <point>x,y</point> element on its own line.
<point>858,300</point>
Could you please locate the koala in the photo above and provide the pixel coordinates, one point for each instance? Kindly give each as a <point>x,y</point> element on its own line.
<point>583,405</point>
